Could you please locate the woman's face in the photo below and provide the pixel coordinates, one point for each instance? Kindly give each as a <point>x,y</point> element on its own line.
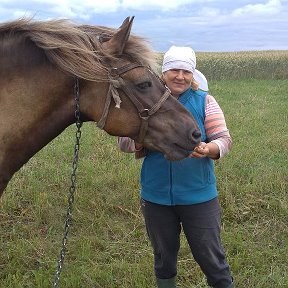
<point>177,80</point>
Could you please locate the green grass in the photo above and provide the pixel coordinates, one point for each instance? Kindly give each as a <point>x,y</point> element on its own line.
<point>108,246</point>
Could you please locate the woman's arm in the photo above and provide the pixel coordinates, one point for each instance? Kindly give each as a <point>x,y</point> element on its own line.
<point>218,136</point>
<point>128,145</point>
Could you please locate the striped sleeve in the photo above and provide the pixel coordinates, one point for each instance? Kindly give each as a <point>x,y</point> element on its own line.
<point>126,144</point>
<point>215,126</point>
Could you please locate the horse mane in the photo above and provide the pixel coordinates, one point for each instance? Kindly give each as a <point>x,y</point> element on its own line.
<point>75,48</point>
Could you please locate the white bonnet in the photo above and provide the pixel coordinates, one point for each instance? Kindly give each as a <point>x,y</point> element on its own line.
<point>201,80</point>
<point>179,58</point>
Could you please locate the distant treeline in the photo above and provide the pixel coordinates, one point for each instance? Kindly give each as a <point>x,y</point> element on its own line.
<point>242,65</point>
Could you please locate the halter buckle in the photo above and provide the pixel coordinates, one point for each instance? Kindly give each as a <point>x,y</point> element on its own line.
<point>144,114</point>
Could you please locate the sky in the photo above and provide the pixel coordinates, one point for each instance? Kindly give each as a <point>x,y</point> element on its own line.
<point>206,26</point>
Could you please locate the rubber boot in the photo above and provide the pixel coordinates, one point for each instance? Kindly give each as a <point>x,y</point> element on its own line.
<point>166,283</point>
<point>232,285</point>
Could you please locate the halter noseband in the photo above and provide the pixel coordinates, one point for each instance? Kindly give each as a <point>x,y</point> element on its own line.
<point>117,82</point>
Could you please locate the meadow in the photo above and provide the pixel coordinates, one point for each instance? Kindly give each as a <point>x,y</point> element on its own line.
<point>108,245</point>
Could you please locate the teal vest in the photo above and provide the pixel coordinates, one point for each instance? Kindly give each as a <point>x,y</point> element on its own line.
<point>184,182</point>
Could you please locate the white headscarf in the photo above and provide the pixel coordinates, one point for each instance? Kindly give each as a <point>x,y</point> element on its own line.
<point>184,58</point>
<point>201,80</point>
<point>179,58</point>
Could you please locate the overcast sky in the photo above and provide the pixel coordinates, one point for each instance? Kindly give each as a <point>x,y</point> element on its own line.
<point>209,25</point>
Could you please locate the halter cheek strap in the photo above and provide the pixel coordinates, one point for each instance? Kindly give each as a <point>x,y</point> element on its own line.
<point>117,82</point>
<point>114,85</point>
<point>145,113</point>
<point>112,93</point>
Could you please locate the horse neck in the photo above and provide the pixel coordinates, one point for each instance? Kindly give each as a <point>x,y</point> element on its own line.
<point>37,104</point>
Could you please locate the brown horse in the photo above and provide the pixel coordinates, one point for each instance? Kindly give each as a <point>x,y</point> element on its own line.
<point>40,62</point>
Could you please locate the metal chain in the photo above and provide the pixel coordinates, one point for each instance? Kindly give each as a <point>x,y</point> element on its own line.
<point>72,188</point>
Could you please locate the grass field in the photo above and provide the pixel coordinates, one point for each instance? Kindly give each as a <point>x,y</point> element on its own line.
<point>108,246</point>
<point>243,65</point>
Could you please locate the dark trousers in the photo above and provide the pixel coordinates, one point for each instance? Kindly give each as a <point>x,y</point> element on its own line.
<point>201,225</point>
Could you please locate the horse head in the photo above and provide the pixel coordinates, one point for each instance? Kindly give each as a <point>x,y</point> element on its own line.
<point>39,62</point>
<point>144,109</point>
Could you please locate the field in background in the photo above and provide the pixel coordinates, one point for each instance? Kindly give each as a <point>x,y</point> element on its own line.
<point>108,246</point>
<point>242,65</point>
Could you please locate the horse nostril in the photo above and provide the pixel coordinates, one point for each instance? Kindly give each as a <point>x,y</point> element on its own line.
<point>196,134</point>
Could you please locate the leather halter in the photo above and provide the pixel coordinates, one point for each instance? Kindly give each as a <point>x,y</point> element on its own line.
<point>143,112</point>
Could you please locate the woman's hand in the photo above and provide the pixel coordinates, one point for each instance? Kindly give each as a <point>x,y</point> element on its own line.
<point>210,150</point>
<point>200,151</point>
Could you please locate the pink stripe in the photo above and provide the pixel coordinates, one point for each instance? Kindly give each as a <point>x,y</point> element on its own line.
<point>212,108</point>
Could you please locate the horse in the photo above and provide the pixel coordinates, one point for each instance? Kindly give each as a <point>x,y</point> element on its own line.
<point>114,72</point>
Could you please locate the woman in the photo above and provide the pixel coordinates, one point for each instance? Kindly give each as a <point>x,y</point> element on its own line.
<point>182,194</point>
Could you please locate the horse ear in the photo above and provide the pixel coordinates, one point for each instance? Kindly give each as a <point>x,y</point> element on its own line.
<point>119,39</point>
<point>126,22</point>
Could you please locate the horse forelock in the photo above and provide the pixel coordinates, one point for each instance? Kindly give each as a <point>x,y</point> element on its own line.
<point>76,48</point>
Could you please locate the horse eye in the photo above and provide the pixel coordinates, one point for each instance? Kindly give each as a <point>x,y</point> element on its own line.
<point>144,85</point>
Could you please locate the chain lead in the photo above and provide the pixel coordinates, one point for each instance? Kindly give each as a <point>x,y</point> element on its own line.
<point>72,188</point>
